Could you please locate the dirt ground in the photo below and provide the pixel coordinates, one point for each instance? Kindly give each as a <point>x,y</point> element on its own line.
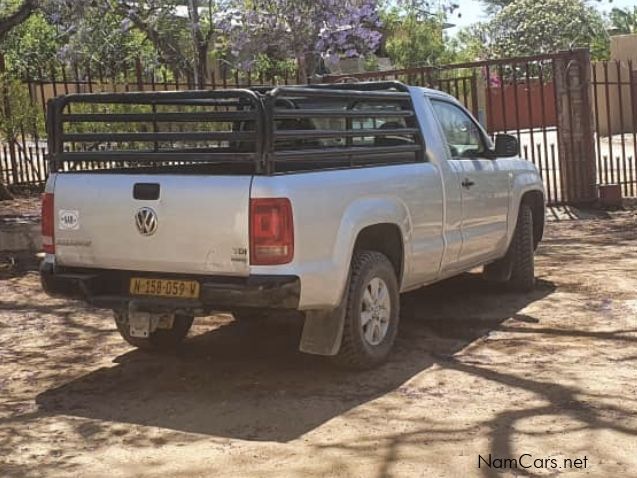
<point>551,374</point>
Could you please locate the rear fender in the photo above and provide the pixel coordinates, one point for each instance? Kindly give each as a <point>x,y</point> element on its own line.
<point>369,212</point>
<point>323,329</point>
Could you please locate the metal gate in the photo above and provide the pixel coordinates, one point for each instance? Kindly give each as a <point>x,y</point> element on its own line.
<point>614,85</point>
<point>575,120</point>
<point>543,100</point>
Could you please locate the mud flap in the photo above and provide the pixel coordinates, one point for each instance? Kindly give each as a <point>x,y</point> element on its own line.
<point>500,270</point>
<point>323,331</point>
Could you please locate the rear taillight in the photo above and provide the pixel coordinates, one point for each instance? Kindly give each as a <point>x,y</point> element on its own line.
<point>48,245</point>
<point>271,231</point>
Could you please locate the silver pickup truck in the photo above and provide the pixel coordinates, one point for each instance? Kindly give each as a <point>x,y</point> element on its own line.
<point>321,201</point>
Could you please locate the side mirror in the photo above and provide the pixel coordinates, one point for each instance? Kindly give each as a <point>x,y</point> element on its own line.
<point>506,146</point>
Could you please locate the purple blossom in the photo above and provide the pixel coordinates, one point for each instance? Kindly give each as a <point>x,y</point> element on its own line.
<point>125,24</point>
<point>291,28</point>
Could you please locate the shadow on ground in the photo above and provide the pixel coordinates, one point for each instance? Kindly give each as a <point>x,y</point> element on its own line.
<point>247,380</point>
<point>17,264</point>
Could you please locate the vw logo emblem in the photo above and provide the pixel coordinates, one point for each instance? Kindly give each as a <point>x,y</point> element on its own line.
<point>146,221</point>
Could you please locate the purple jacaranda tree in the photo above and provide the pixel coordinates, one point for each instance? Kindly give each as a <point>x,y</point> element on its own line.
<point>306,30</point>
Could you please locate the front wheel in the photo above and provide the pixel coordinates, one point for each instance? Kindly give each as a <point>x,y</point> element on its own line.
<point>160,339</point>
<point>517,268</point>
<point>372,314</point>
<point>523,270</point>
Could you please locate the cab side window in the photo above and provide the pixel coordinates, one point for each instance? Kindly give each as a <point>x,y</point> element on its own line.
<point>463,135</point>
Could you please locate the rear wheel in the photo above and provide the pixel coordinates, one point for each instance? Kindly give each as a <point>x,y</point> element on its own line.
<point>371,320</point>
<point>159,340</point>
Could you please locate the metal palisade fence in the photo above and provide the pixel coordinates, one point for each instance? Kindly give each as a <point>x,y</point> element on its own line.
<point>614,85</point>
<point>575,119</point>
<point>23,159</point>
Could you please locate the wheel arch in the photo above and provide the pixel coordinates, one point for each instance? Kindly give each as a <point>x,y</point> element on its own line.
<point>387,239</point>
<point>368,222</point>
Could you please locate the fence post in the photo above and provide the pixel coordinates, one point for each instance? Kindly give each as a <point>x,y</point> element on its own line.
<point>575,132</point>
<point>479,97</point>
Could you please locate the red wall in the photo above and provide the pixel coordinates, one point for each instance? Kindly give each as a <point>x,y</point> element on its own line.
<point>495,112</point>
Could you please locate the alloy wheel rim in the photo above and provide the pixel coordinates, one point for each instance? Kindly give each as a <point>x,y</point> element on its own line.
<point>375,311</point>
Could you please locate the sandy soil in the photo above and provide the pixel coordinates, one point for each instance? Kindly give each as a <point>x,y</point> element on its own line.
<point>475,372</point>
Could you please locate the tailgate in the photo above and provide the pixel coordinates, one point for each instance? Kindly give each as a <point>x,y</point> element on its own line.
<point>198,224</point>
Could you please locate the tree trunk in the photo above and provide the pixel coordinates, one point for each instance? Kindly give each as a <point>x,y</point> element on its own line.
<point>16,18</point>
<point>170,54</point>
<point>200,44</point>
<point>301,64</point>
<point>202,65</point>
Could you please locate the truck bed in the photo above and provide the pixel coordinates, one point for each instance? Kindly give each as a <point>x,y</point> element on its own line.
<point>190,160</point>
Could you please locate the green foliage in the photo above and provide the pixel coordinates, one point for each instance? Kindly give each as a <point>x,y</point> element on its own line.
<point>17,112</point>
<point>493,6</point>
<point>105,43</point>
<point>411,40</point>
<point>371,63</point>
<point>100,39</point>
<point>530,27</point>
<point>157,29</point>
<point>269,67</point>
<point>30,46</point>
<point>470,43</point>
<point>7,6</point>
<point>623,21</point>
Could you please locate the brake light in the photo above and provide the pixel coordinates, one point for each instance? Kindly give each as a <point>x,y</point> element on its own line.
<point>48,226</point>
<point>271,231</point>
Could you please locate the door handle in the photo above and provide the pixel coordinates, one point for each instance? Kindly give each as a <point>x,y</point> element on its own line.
<point>467,183</point>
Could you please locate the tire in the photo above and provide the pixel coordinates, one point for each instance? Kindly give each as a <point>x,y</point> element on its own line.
<point>523,251</point>
<point>161,340</point>
<point>516,269</point>
<point>367,345</point>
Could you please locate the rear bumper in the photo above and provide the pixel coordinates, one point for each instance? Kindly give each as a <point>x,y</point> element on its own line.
<point>109,289</point>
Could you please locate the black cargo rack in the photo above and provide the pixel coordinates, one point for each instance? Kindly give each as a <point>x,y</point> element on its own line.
<point>159,109</point>
<point>397,140</point>
<point>284,129</point>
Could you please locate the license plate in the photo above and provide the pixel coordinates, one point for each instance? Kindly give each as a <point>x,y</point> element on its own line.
<point>183,289</point>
